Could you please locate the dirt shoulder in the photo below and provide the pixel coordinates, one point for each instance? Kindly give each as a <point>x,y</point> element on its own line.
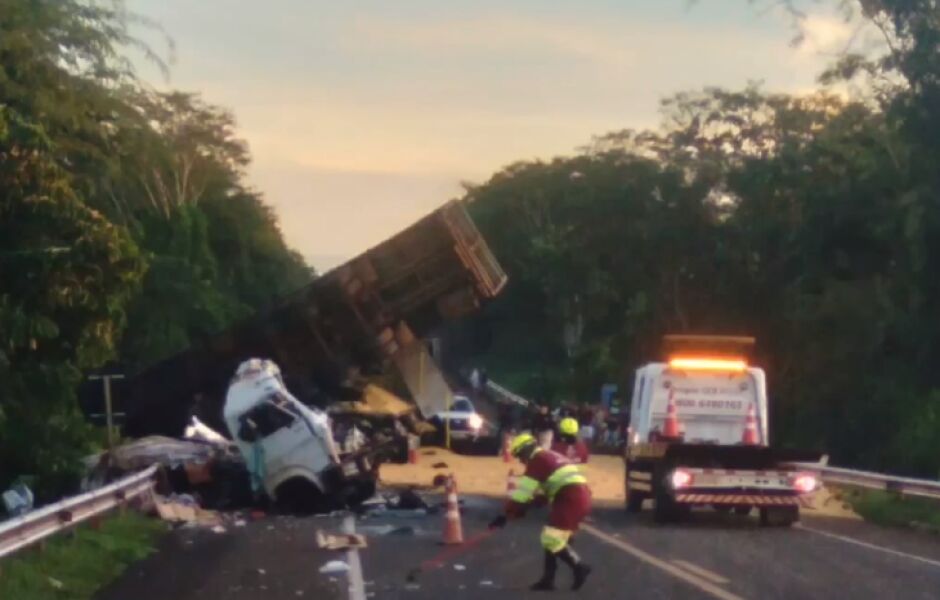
<point>487,476</point>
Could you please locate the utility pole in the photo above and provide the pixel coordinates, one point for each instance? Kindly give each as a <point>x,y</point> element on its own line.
<point>108,406</point>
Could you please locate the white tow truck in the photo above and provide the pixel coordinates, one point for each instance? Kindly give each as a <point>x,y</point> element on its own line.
<point>288,446</point>
<point>699,436</point>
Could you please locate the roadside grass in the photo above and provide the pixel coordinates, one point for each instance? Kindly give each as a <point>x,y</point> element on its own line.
<point>886,508</point>
<point>74,567</point>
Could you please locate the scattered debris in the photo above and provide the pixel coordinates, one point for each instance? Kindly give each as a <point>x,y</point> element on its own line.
<point>199,431</point>
<point>330,541</point>
<point>18,500</point>
<point>440,465</point>
<point>240,523</point>
<point>262,572</point>
<point>486,583</point>
<point>460,567</point>
<point>56,584</point>
<point>377,530</point>
<point>440,480</point>
<point>184,509</point>
<point>334,567</point>
<point>219,529</point>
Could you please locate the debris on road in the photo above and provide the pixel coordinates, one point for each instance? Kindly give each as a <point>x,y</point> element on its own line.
<point>334,567</point>
<point>440,465</point>
<point>183,509</point>
<point>329,541</point>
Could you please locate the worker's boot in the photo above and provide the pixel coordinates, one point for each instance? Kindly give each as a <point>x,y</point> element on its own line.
<point>578,568</point>
<point>547,582</point>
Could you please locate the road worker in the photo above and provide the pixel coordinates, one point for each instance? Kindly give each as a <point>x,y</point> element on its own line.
<point>552,478</point>
<point>569,444</point>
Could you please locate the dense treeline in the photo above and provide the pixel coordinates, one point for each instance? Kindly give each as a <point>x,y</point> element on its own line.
<point>126,228</point>
<point>811,222</point>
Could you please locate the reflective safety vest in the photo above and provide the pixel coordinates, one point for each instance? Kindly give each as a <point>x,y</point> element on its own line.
<point>547,472</point>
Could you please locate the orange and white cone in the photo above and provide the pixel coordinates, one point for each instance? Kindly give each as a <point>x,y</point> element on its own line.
<point>453,530</point>
<point>510,483</point>
<point>671,426</point>
<point>507,456</point>
<point>750,436</point>
<point>413,449</point>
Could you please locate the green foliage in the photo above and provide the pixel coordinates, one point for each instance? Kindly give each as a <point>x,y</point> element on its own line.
<point>810,222</point>
<point>886,508</point>
<point>76,567</point>
<point>125,227</point>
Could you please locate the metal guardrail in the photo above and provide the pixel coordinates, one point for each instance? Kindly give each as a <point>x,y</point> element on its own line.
<point>20,532</point>
<point>904,486</point>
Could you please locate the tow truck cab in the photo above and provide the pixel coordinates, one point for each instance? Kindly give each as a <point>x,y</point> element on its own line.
<point>699,435</point>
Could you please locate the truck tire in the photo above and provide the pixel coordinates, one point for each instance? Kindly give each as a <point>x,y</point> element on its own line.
<point>779,516</point>
<point>633,499</point>
<point>665,508</point>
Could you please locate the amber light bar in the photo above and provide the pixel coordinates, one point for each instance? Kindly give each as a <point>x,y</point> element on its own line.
<point>694,363</point>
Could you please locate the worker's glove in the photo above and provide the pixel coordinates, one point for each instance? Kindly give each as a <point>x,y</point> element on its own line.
<point>499,522</point>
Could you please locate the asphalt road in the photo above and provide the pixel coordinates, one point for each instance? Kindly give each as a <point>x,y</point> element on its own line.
<point>711,556</point>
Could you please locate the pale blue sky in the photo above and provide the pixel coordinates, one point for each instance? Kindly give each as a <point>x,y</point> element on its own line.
<point>363,116</point>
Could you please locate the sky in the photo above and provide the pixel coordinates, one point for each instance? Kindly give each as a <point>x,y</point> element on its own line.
<point>364,116</point>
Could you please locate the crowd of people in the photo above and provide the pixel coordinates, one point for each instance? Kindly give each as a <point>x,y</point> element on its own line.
<point>570,428</point>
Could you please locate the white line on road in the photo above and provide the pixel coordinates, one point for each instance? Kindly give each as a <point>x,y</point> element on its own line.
<point>875,547</point>
<point>702,572</point>
<point>357,587</point>
<point>699,582</point>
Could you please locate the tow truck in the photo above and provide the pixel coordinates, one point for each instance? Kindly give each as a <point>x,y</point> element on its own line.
<point>699,436</point>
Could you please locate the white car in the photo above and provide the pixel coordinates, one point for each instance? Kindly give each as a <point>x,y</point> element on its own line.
<point>464,421</point>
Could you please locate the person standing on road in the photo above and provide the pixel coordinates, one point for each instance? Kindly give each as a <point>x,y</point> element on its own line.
<point>568,444</point>
<point>550,477</point>
<point>544,427</point>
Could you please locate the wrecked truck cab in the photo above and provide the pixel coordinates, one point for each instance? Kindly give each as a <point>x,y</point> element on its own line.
<point>288,447</point>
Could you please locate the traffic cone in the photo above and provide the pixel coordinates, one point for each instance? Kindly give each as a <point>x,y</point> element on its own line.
<point>413,449</point>
<point>507,456</point>
<point>750,436</point>
<point>510,483</point>
<point>671,426</point>
<point>453,530</point>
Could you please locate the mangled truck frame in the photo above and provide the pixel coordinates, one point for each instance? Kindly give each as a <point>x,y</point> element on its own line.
<point>331,336</point>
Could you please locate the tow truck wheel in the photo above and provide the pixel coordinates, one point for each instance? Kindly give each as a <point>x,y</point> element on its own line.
<point>634,500</point>
<point>779,516</point>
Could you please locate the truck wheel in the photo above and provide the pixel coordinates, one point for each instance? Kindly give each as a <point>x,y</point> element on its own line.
<point>779,516</point>
<point>634,500</point>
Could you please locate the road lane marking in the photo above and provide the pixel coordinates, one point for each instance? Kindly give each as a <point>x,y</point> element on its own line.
<point>357,587</point>
<point>702,584</point>
<point>702,572</point>
<point>875,547</point>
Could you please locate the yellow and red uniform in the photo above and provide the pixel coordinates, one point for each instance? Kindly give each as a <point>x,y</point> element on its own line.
<point>563,486</point>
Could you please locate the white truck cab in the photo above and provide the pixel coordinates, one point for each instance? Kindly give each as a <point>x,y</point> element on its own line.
<point>288,446</point>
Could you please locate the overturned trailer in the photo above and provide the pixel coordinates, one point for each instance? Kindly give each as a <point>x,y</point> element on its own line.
<point>330,335</point>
